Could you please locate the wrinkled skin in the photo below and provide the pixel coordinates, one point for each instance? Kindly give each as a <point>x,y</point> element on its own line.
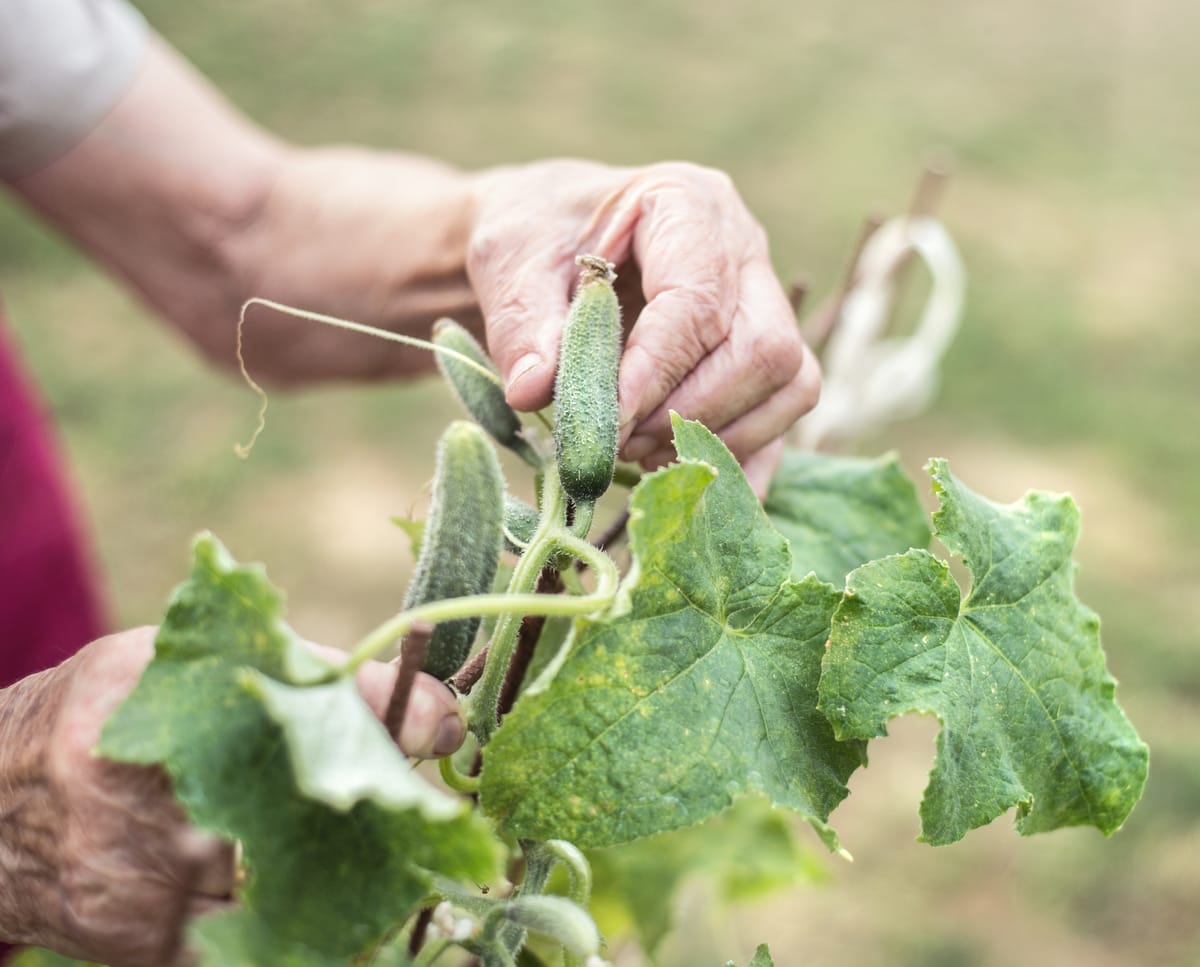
<point>710,331</point>
<point>100,861</point>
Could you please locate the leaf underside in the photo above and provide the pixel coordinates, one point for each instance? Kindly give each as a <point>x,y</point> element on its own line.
<point>218,707</point>
<point>747,851</point>
<point>840,512</point>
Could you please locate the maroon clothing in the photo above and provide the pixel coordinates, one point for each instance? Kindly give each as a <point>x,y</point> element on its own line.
<point>49,607</point>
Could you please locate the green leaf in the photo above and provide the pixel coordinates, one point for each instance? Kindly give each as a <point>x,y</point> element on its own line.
<point>762,958</point>
<point>231,765</point>
<point>702,689</point>
<point>415,529</point>
<point>1014,671</point>
<point>38,957</point>
<point>840,512</point>
<point>340,752</point>
<point>238,939</point>
<point>748,850</point>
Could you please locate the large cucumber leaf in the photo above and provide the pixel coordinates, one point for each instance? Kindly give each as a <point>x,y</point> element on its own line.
<point>335,857</point>
<point>840,512</point>
<point>702,689</point>
<point>1014,670</point>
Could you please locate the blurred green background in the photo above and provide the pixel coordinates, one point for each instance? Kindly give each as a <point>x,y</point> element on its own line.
<point>1074,130</point>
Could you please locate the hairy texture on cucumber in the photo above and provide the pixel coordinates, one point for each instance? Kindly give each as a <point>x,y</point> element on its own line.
<point>462,539</point>
<point>585,389</point>
<point>482,397</point>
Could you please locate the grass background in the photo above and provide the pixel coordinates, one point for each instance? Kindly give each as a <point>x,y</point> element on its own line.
<point>1076,200</point>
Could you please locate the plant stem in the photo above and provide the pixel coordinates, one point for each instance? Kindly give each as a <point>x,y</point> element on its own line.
<point>431,952</point>
<point>412,657</point>
<point>539,862</point>
<point>243,449</point>
<point>578,869</point>
<point>455,779</point>
<point>484,705</point>
<point>549,582</point>
<point>450,609</point>
<point>614,531</point>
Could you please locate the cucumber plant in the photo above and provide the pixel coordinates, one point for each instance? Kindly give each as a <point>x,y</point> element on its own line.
<point>732,674</point>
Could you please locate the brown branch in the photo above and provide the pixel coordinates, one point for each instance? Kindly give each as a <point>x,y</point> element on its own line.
<point>931,186</point>
<point>549,582</point>
<point>470,673</point>
<point>412,658</point>
<point>417,939</point>
<point>927,194</point>
<point>820,326</point>
<point>613,532</point>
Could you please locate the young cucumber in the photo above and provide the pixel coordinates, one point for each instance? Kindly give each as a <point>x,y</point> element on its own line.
<point>520,522</point>
<point>462,539</point>
<point>483,398</point>
<point>585,390</point>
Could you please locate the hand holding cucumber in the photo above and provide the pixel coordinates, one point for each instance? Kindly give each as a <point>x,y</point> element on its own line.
<point>709,331</point>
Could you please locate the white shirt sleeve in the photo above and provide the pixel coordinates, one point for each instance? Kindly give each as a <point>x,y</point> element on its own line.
<point>63,65</point>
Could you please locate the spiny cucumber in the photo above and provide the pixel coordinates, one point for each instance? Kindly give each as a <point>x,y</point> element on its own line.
<point>461,544</point>
<point>483,398</point>
<point>520,521</point>
<point>585,389</point>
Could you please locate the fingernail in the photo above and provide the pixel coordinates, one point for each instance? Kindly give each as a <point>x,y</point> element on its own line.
<point>639,446</point>
<point>522,367</point>
<point>450,734</point>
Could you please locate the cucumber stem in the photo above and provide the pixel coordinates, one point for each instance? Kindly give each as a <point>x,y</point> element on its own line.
<point>376,642</point>
<point>550,538</point>
<point>455,779</point>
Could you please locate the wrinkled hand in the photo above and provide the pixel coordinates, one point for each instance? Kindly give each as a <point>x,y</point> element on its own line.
<point>710,331</point>
<point>109,868</point>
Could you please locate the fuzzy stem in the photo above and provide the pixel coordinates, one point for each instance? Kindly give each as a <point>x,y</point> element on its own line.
<point>549,539</point>
<point>455,779</point>
<point>478,605</point>
<point>484,705</point>
<point>578,869</point>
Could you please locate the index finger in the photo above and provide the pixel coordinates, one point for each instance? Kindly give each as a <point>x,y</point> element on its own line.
<point>690,248</point>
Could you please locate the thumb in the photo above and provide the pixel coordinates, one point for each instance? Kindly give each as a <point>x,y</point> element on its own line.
<point>524,304</point>
<point>433,722</point>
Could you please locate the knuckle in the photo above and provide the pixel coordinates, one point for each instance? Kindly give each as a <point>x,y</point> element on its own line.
<point>809,390</point>
<point>487,245</point>
<point>777,355</point>
<point>713,178</point>
<point>708,311</point>
<point>507,316</point>
<point>712,183</point>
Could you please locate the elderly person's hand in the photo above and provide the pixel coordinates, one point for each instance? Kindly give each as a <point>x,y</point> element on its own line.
<point>710,331</point>
<point>98,859</point>
<point>200,210</point>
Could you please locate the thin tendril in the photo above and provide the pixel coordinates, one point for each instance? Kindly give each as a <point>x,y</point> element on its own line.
<point>243,449</point>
